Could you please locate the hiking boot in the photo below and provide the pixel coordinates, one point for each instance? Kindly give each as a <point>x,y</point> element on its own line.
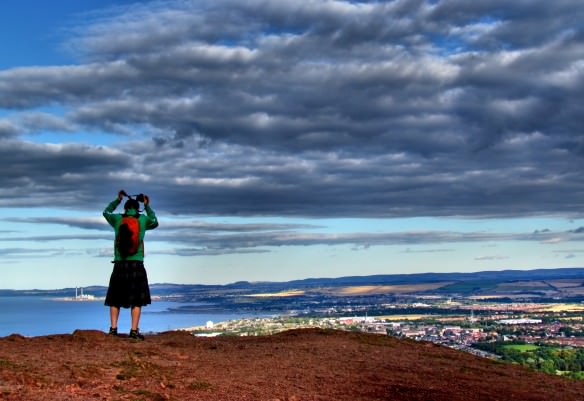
<point>135,335</point>
<point>113,331</point>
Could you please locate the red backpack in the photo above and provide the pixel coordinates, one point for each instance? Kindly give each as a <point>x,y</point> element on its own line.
<point>128,238</point>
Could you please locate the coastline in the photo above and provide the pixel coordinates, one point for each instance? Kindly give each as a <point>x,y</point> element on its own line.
<point>33,316</point>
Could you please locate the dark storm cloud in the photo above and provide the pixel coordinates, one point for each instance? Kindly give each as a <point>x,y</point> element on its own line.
<point>232,236</point>
<point>35,174</point>
<point>83,223</point>
<point>208,252</point>
<point>27,253</point>
<point>58,238</point>
<point>191,243</point>
<point>312,108</point>
<point>8,129</point>
<point>197,238</point>
<point>176,227</point>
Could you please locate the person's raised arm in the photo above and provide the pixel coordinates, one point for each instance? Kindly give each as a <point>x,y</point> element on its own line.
<point>151,220</point>
<point>108,212</point>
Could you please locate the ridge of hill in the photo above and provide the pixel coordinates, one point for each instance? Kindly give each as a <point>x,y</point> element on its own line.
<point>298,365</point>
<point>491,277</point>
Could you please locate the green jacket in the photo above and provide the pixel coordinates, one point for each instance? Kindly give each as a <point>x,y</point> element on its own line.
<point>147,222</point>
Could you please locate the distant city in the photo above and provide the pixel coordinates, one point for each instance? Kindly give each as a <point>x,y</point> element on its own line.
<point>542,336</point>
<point>534,318</point>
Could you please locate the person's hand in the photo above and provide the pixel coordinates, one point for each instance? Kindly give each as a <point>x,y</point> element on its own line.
<point>146,200</point>
<point>121,194</point>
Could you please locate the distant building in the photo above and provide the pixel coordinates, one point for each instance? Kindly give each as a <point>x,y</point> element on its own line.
<point>451,330</point>
<point>413,333</point>
<point>82,296</point>
<point>519,321</point>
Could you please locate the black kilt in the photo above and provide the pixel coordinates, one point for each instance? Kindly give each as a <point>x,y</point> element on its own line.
<point>128,286</point>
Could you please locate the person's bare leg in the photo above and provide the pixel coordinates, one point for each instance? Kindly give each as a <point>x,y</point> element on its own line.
<point>114,315</point>
<point>136,311</point>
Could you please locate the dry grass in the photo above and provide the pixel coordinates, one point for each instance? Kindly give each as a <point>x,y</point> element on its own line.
<point>290,293</point>
<point>383,289</point>
<point>356,290</point>
<point>563,308</point>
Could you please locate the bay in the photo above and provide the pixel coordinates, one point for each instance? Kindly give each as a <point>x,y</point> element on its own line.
<point>39,316</point>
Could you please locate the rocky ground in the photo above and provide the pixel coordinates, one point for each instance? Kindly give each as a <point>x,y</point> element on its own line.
<point>296,365</point>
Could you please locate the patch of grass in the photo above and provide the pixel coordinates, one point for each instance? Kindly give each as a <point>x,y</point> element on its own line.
<point>134,367</point>
<point>6,364</point>
<point>576,375</point>
<point>200,385</point>
<point>129,369</point>
<point>521,347</point>
<point>150,395</point>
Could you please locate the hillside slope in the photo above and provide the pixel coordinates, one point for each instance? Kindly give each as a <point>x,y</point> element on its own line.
<point>295,365</point>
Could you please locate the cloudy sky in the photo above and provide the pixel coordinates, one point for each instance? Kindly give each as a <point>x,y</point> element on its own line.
<point>290,139</point>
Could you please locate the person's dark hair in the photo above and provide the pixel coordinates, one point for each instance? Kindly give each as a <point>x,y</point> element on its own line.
<point>132,204</point>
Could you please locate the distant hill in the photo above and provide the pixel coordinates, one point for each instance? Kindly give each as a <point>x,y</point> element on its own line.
<point>418,278</point>
<point>297,365</point>
<point>456,283</point>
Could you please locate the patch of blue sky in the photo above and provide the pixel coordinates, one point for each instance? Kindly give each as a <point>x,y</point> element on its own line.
<point>36,38</point>
<point>515,225</point>
<point>38,236</point>
<point>394,225</point>
<point>17,212</point>
<point>30,49</point>
<point>463,38</point>
<point>239,220</point>
<point>54,109</point>
<point>233,42</point>
<point>447,45</point>
<point>86,138</point>
<point>520,225</point>
<point>488,20</point>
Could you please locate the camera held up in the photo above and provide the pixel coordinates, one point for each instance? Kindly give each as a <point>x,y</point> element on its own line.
<point>138,197</point>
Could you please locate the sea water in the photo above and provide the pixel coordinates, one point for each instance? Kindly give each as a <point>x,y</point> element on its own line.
<point>37,316</point>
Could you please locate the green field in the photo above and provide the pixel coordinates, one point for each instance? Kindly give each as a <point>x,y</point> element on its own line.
<point>521,347</point>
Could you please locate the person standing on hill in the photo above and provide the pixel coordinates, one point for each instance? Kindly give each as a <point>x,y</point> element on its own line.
<point>128,286</point>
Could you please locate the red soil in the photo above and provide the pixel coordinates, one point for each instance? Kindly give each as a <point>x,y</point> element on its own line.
<point>292,366</point>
